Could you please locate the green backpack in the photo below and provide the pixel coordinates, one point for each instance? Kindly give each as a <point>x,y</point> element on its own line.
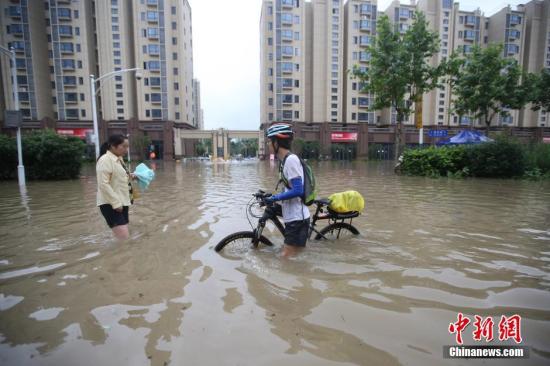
<point>310,191</point>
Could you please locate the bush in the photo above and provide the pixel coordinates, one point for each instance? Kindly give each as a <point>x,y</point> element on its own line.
<point>8,160</point>
<point>46,155</point>
<point>504,158</point>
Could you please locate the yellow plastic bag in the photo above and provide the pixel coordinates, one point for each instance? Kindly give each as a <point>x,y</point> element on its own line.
<point>346,201</point>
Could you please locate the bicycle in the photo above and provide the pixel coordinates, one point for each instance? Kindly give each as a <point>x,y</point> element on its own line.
<point>244,240</point>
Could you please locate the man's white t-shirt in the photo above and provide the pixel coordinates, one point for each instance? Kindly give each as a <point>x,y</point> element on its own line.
<point>293,209</point>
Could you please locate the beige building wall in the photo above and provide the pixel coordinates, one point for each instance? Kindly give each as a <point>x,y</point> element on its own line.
<point>115,40</point>
<point>283,61</point>
<point>163,48</point>
<point>508,27</point>
<point>360,30</point>
<point>537,54</point>
<point>72,50</point>
<point>23,27</point>
<point>328,52</point>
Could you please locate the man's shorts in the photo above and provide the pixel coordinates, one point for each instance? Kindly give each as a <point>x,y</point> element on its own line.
<point>296,233</point>
<point>113,217</point>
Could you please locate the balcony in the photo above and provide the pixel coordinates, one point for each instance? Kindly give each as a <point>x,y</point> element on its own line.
<point>287,4</point>
<point>152,35</point>
<point>156,98</point>
<point>68,65</point>
<point>470,21</point>
<point>152,2</point>
<point>152,17</point>
<point>14,12</point>
<point>24,97</point>
<point>65,31</point>
<point>154,82</point>
<point>69,81</point>
<point>366,9</point>
<point>16,30</point>
<point>18,46</point>
<point>469,36</point>
<point>287,84</point>
<point>287,19</point>
<point>71,98</point>
<point>287,52</point>
<point>365,25</point>
<point>64,14</point>
<point>66,48</point>
<point>21,64</point>
<point>287,99</point>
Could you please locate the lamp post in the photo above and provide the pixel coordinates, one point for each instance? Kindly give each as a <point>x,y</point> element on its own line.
<point>93,93</point>
<point>15,90</point>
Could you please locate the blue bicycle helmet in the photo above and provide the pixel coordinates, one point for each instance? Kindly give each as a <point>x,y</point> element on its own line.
<point>280,130</point>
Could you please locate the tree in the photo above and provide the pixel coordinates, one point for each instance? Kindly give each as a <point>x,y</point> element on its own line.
<point>540,96</point>
<point>140,144</point>
<point>486,84</point>
<point>400,71</point>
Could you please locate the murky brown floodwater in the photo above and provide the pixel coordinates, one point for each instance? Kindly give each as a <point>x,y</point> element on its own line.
<point>70,295</point>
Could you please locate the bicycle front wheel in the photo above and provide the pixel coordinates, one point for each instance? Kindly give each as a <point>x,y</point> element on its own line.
<point>338,230</point>
<point>240,242</point>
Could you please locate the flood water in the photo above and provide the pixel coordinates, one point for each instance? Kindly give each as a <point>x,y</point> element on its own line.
<point>428,250</point>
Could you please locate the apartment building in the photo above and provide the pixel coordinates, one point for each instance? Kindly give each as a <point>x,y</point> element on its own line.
<point>507,27</point>
<point>283,55</point>
<point>115,51</point>
<point>197,111</point>
<point>327,60</point>
<point>23,27</point>
<point>402,17</point>
<point>165,53</point>
<point>360,30</point>
<point>72,58</point>
<point>536,56</point>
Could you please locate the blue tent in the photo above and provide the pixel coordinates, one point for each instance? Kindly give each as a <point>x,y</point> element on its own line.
<point>466,137</point>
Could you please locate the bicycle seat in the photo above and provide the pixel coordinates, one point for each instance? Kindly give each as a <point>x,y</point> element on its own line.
<point>322,202</point>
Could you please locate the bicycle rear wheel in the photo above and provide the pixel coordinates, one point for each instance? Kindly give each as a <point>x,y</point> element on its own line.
<point>240,242</point>
<point>338,230</point>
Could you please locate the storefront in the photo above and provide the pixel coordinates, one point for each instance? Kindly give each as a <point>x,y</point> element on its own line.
<point>343,145</point>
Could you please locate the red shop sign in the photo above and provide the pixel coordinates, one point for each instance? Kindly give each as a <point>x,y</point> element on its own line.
<point>77,132</point>
<point>343,136</point>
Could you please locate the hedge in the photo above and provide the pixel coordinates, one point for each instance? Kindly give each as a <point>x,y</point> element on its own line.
<point>46,155</point>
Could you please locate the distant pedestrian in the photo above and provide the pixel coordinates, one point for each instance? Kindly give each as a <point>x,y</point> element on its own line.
<point>114,191</point>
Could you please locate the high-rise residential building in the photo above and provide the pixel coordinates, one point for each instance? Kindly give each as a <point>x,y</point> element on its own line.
<point>507,27</point>
<point>23,27</point>
<point>458,31</point>
<point>72,57</point>
<point>163,48</point>
<point>283,65</point>
<point>115,50</point>
<point>197,111</point>
<point>360,31</point>
<point>537,54</point>
<point>327,60</point>
<point>402,17</point>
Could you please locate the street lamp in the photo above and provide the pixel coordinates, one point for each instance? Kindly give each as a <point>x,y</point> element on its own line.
<point>93,91</point>
<point>15,90</point>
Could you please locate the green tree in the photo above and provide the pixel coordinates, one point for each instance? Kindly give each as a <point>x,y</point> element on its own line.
<point>400,70</point>
<point>140,144</point>
<point>540,96</point>
<point>487,85</point>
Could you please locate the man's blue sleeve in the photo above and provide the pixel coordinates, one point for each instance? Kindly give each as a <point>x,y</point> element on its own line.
<point>296,190</point>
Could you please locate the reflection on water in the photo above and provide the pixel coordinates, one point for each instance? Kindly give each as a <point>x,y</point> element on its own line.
<point>69,294</point>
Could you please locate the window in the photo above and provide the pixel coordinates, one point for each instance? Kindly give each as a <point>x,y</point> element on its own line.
<point>153,65</point>
<point>155,97</point>
<point>176,86</point>
<point>154,49</point>
<point>353,86</point>
<point>177,115</point>
<point>174,41</point>
<point>286,66</point>
<point>71,113</point>
<point>174,26</point>
<point>296,83</point>
<point>353,101</point>
<point>296,19</point>
<point>82,98</point>
<point>176,71</point>
<point>287,50</point>
<point>153,32</point>
<point>65,30</point>
<point>83,112</point>
<point>286,18</point>
<point>116,44</point>
<point>297,67</point>
<point>147,113</point>
<point>287,114</point>
<point>64,12</point>
<point>270,101</point>
<point>270,26</point>
<point>270,71</point>
<point>114,11</point>
<point>116,53</point>
<point>81,81</point>
<point>174,56</point>
<point>334,98</point>
<point>116,36</point>
<point>296,36</point>
<point>296,114</point>
<point>173,10</point>
<point>285,34</point>
<point>117,61</point>
<point>296,99</point>
<point>67,64</point>
<point>66,47</point>
<point>152,16</point>
<point>270,10</point>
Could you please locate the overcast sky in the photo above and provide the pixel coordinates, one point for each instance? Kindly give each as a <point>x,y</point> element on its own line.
<point>226,52</point>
